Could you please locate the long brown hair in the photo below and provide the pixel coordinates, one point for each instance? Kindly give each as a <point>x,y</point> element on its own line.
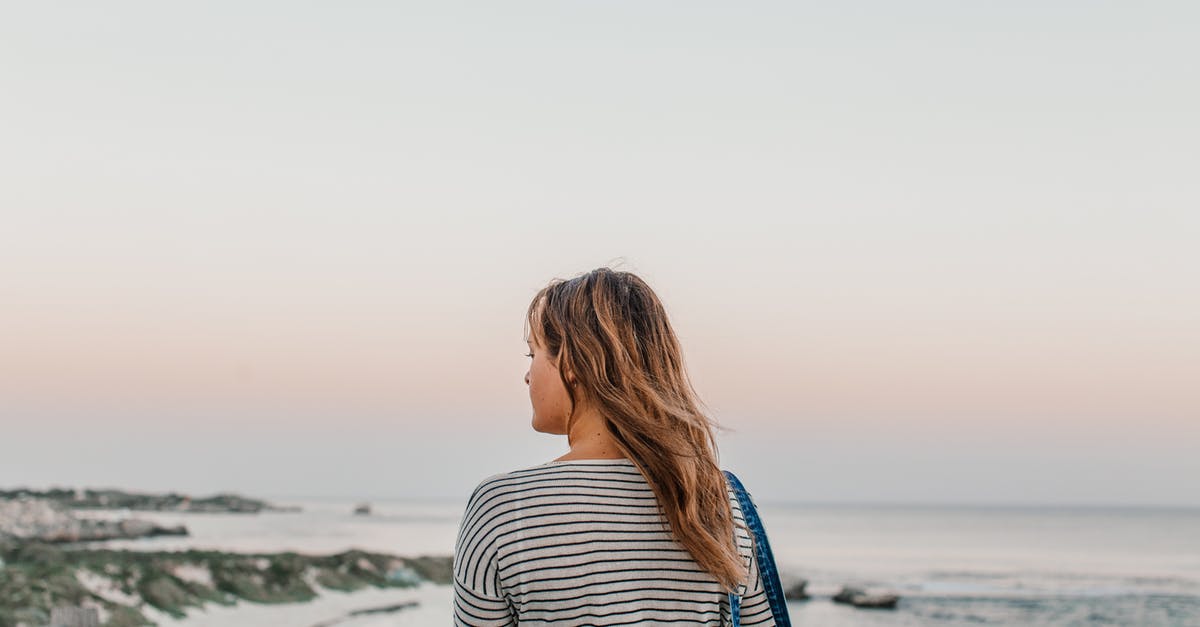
<point>611,331</point>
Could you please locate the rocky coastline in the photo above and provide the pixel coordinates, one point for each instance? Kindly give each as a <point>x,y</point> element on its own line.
<point>88,498</point>
<point>121,585</point>
<point>39,520</point>
<point>46,563</point>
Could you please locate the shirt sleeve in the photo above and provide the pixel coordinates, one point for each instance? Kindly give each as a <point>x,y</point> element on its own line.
<point>756,608</point>
<point>479,600</point>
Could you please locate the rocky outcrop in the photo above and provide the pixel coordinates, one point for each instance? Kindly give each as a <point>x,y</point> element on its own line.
<point>40,520</point>
<point>119,499</point>
<point>858,597</point>
<point>37,577</point>
<point>795,591</point>
<point>386,609</point>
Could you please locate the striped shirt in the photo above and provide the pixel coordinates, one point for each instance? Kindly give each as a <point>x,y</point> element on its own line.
<point>582,542</point>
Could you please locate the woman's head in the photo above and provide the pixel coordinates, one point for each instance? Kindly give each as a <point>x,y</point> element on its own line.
<point>603,340</point>
<point>592,338</point>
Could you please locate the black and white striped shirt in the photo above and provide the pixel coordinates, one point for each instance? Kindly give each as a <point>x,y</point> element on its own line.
<point>581,542</point>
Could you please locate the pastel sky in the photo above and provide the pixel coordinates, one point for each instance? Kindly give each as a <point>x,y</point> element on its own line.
<point>940,252</point>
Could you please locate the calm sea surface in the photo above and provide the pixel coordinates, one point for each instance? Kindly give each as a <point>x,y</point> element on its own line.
<point>951,565</point>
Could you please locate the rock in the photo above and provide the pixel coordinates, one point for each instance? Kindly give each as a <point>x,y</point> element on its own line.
<point>39,576</point>
<point>404,575</point>
<point>29,519</point>
<point>67,616</point>
<point>386,609</point>
<point>858,597</point>
<point>177,530</point>
<point>166,594</point>
<point>877,601</point>
<point>133,527</point>
<point>117,499</point>
<point>434,568</point>
<point>796,591</point>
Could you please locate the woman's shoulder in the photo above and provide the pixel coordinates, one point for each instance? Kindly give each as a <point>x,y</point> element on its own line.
<point>745,540</point>
<point>558,473</point>
<point>489,484</point>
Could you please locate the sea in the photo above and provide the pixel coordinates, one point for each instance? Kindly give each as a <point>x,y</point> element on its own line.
<point>950,565</point>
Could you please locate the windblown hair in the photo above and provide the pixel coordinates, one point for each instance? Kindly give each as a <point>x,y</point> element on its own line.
<point>610,330</point>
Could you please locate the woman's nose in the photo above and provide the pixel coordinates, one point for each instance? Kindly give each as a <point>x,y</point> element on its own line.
<point>526,378</point>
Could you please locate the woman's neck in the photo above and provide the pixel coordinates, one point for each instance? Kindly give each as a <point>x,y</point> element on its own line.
<point>590,439</point>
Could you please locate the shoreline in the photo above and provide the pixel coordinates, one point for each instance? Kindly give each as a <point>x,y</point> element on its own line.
<point>126,587</point>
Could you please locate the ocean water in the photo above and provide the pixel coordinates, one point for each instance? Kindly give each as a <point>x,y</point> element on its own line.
<point>950,565</point>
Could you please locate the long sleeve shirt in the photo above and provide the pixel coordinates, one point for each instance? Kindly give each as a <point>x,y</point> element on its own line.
<point>582,542</point>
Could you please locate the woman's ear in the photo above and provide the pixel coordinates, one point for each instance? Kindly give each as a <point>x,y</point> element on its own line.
<point>569,377</point>
<point>568,374</point>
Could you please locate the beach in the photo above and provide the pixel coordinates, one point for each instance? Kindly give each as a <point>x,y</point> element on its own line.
<point>958,565</point>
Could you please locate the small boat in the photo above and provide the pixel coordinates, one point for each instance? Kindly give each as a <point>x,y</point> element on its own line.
<point>363,509</point>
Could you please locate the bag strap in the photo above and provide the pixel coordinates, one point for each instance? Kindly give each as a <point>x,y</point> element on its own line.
<point>735,609</point>
<point>766,560</point>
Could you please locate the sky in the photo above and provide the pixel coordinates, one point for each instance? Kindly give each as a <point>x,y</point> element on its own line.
<point>922,252</point>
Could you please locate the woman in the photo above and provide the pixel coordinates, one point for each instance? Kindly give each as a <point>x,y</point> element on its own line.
<point>636,524</point>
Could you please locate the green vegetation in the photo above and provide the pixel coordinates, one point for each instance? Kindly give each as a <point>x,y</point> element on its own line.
<point>35,577</point>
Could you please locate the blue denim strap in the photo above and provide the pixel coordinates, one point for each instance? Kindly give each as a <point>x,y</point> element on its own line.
<point>766,560</point>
